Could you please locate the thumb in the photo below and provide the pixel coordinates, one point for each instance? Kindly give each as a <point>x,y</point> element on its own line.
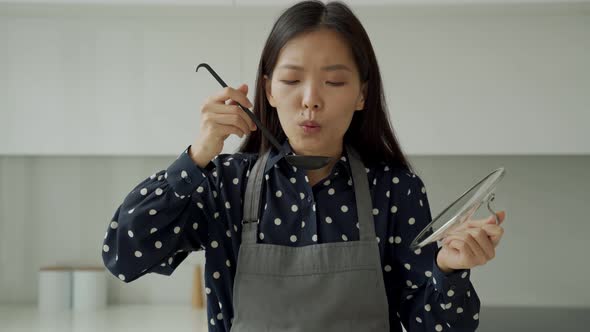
<point>244,88</point>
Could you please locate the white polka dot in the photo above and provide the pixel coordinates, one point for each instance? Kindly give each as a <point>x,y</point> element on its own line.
<point>122,277</point>
<point>137,253</point>
<point>459,310</point>
<point>302,195</point>
<point>294,208</point>
<point>153,230</point>
<point>159,191</point>
<point>417,251</point>
<point>293,180</point>
<point>166,175</point>
<point>200,189</point>
<point>302,224</point>
<point>398,240</point>
<point>411,221</point>
<point>438,327</point>
<point>407,266</point>
<point>394,209</point>
<point>450,293</point>
<point>313,207</point>
<point>331,191</point>
<point>395,180</point>
<point>216,215</point>
<point>279,193</point>
<point>277,221</point>
<point>464,274</point>
<point>293,238</point>
<point>391,239</point>
<point>378,239</point>
<point>328,220</point>
<point>344,237</point>
<point>434,280</point>
<point>212,321</point>
<point>418,319</point>
<point>261,236</point>
<point>387,268</point>
<point>349,182</point>
<point>153,212</point>
<point>131,211</point>
<point>314,238</point>
<point>130,233</point>
<point>235,181</point>
<point>423,190</point>
<point>476,316</point>
<point>208,290</point>
<point>170,260</point>
<point>143,191</point>
<point>195,226</point>
<point>375,212</point>
<point>427,307</point>
<point>219,316</point>
<point>216,275</point>
<point>114,224</point>
<point>228,233</point>
<point>105,248</point>
<point>227,263</point>
<point>226,163</point>
<point>428,274</point>
<point>158,244</point>
<point>387,194</point>
<point>214,244</point>
<point>306,179</point>
<point>200,205</point>
<point>344,208</point>
<point>176,230</point>
<point>327,183</point>
<point>449,305</point>
<point>468,293</point>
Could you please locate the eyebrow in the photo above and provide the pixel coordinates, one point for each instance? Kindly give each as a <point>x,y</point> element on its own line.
<point>325,68</point>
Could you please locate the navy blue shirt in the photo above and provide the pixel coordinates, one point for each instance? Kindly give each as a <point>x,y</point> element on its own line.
<point>187,208</point>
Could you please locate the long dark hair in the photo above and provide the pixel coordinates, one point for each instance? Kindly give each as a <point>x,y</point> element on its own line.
<point>370,131</point>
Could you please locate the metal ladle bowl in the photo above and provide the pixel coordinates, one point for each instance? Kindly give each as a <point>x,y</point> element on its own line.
<point>305,162</point>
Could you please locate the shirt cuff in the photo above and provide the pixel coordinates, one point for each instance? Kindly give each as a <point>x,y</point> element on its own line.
<point>184,176</point>
<point>452,284</point>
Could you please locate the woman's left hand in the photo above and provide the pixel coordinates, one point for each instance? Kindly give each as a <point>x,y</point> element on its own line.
<point>471,244</point>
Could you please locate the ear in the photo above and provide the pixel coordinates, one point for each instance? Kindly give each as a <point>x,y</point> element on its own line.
<point>360,104</point>
<point>267,90</point>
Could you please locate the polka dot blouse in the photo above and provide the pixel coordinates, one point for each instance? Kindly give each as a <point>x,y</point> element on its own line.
<point>187,208</point>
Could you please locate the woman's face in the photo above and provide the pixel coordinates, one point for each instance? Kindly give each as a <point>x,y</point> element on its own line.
<point>315,79</point>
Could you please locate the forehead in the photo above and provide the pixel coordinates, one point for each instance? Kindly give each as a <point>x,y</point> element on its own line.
<point>320,47</point>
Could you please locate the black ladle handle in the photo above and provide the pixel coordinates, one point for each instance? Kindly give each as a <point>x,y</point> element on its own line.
<point>265,131</point>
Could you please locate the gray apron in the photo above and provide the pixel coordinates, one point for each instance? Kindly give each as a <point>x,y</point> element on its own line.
<point>323,287</point>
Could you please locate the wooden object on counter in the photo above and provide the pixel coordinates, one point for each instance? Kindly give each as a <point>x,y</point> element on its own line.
<point>197,293</point>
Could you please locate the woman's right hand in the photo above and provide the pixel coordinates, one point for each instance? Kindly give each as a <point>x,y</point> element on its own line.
<point>221,117</point>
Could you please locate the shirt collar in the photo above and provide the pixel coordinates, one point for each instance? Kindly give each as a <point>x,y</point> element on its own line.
<point>277,157</point>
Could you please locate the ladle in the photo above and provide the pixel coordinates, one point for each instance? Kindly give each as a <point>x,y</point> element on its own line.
<point>305,162</point>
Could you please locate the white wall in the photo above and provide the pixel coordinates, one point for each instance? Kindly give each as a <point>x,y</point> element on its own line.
<point>524,67</point>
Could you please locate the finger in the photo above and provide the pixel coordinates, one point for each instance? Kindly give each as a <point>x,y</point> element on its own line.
<point>244,89</point>
<point>495,233</point>
<point>491,220</point>
<point>484,242</point>
<point>233,94</point>
<point>478,253</point>
<point>235,110</point>
<point>232,120</point>
<point>463,248</point>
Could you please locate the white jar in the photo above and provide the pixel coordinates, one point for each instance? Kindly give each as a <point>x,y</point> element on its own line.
<point>89,288</point>
<point>54,289</point>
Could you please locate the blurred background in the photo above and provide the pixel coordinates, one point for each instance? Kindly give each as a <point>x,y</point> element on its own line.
<point>97,95</point>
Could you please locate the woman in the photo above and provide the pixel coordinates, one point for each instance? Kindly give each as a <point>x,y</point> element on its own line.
<point>290,249</point>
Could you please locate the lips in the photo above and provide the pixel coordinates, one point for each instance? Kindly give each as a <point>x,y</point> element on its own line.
<point>309,123</point>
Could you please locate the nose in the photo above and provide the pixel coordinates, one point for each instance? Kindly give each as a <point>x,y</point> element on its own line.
<point>312,99</point>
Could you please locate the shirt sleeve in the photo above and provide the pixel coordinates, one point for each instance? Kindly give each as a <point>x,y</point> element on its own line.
<point>422,296</point>
<point>161,220</point>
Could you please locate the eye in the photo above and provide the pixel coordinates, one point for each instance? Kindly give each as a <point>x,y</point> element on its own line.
<point>289,82</point>
<point>336,83</point>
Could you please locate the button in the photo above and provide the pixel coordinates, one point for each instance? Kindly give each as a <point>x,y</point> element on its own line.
<point>308,199</point>
<point>188,179</point>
